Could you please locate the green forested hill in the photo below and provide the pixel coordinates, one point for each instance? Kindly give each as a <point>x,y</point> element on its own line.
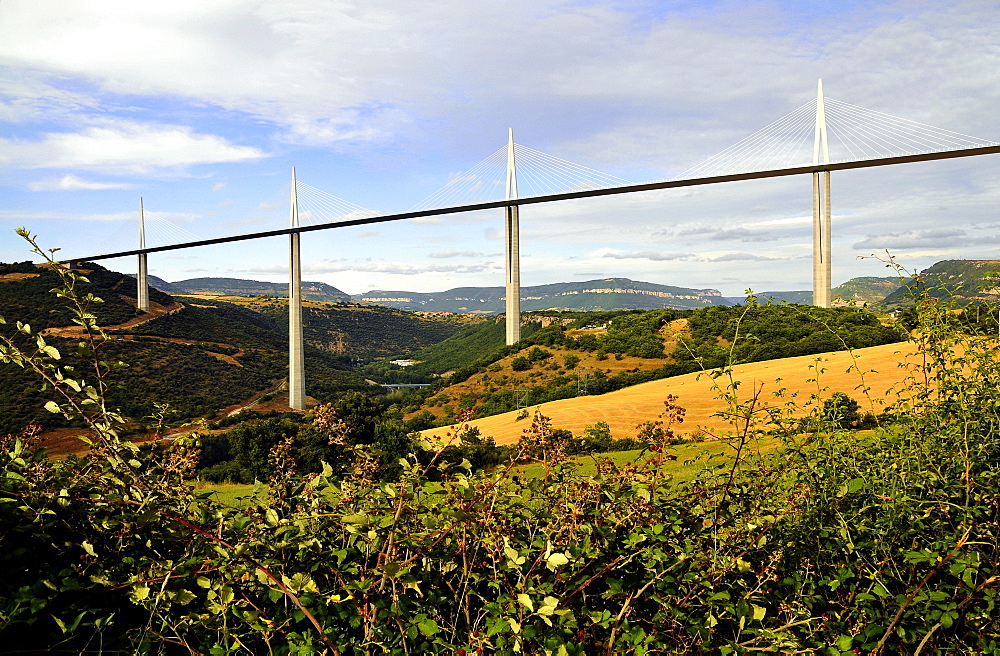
<point>364,331</point>
<point>965,281</point>
<point>237,352</point>
<point>24,295</point>
<point>867,289</point>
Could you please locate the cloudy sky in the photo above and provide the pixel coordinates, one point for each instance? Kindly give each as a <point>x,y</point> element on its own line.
<point>203,108</point>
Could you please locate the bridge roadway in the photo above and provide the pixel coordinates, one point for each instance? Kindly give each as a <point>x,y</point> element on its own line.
<point>570,195</point>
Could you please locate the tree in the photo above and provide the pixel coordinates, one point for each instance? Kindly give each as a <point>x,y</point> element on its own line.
<point>842,411</point>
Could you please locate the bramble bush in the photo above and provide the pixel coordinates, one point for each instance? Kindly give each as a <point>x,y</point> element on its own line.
<point>836,543</point>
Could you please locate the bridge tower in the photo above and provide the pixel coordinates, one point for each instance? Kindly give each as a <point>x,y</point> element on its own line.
<point>142,277</point>
<point>296,365</point>
<point>822,231</point>
<point>513,261</point>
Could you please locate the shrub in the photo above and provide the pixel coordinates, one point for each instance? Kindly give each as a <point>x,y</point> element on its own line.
<point>830,543</point>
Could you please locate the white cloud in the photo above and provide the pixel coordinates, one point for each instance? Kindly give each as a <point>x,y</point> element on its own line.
<point>123,147</point>
<point>642,90</point>
<point>15,215</point>
<point>73,183</point>
<point>218,186</point>
<point>448,254</point>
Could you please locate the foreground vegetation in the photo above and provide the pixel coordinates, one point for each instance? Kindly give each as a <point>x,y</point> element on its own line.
<point>831,543</point>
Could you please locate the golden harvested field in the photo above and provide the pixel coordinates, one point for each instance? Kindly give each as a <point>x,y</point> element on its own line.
<point>624,409</point>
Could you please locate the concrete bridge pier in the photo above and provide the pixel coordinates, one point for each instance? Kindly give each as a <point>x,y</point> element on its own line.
<point>296,365</point>
<point>142,277</point>
<point>513,251</point>
<point>822,230</point>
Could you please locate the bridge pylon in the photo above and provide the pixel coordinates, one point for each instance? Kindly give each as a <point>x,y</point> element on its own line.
<point>513,252</point>
<point>296,364</point>
<point>142,276</point>
<point>822,230</point>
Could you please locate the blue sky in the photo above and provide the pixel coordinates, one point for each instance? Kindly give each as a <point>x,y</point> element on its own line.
<point>202,108</point>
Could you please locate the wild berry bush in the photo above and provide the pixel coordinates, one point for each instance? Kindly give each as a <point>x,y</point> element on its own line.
<point>881,542</point>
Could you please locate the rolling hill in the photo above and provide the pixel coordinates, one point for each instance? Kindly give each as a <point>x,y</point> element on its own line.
<point>697,393</point>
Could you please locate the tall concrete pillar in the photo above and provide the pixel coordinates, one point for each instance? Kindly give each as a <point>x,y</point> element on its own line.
<point>142,277</point>
<point>296,364</point>
<point>822,229</point>
<point>513,252</point>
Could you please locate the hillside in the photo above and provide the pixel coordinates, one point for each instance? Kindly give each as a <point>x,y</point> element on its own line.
<point>315,291</point>
<point>565,360</point>
<point>200,355</point>
<point>359,332</point>
<point>624,409</point>
<point>963,280</point>
<point>604,294</point>
<point>860,290</point>
<point>867,289</point>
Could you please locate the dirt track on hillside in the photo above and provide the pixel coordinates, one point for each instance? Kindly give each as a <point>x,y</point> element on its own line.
<point>624,409</point>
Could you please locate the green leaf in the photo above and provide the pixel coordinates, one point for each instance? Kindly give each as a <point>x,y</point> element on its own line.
<point>526,601</point>
<point>183,597</point>
<point>271,517</point>
<point>52,407</point>
<point>758,612</point>
<point>548,606</point>
<point>555,560</point>
<point>89,548</point>
<point>428,627</point>
<point>300,582</point>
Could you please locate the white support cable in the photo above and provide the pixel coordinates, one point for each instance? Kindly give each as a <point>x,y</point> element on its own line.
<point>557,175</point>
<point>538,173</point>
<point>598,178</point>
<point>878,138</point>
<point>161,231</point>
<point>877,134</point>
<point>470,184</point>
<point>862,133</point>
<point>957,137</point>
<point>729,159</point>
<point>322,207</point>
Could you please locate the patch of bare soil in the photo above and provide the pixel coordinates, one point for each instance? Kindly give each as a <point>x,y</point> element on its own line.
<point>14,277</point>
<point>155,310</point>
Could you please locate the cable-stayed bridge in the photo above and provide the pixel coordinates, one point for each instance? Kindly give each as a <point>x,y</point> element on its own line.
<point>821,136</point>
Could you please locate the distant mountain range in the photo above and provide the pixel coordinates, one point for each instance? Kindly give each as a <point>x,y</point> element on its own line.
<point>962,278</point>
<point>603,294</point>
